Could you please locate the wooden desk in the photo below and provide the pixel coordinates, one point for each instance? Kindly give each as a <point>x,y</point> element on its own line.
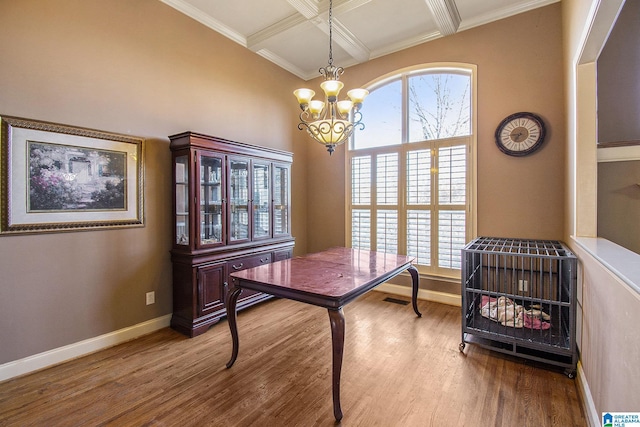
<point>328,279</point>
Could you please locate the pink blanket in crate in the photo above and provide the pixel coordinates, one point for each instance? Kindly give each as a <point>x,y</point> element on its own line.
<point>506,312</point>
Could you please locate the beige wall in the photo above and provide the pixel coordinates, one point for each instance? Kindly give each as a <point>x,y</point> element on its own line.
<point>133,67</point>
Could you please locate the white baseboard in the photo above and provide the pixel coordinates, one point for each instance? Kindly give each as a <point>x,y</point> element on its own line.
<point>593,418</point>
<point>71,351</point>
<point>441,297</point>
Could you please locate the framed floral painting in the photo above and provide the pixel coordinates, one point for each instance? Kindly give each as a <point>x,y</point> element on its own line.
<point>62,178</point>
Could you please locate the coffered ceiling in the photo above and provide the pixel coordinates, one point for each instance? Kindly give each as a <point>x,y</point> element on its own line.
<point>294,34</point>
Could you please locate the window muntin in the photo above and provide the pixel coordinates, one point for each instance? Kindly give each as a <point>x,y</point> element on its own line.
<point>420,191</point>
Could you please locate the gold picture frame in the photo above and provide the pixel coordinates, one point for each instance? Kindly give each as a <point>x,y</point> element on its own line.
<point>56,178</point>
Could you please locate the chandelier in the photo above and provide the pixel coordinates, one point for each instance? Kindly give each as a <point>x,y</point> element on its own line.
<point>328,121</point>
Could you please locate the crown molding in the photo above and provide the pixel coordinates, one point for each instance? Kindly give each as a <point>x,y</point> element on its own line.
<point>282,63</point>
<point>207,20</point>
<point>503,13</point>
<point>405,44</point>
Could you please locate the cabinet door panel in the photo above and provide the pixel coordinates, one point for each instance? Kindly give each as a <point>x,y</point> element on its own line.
<point>239,200</point>
<point>211,280</point>
<point>211,230</point>
<point>261,200</point>
<point>281,195</point>
<point>181,195</point>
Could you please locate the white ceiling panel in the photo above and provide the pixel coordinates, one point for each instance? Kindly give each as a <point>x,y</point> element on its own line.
<point>381,23</point>
<point>294,33</point>
<point>312,46</point>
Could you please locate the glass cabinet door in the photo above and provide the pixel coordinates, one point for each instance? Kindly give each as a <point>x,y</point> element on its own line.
<point>261,200</point>
<point>238,200</point>
<point>182,199</point>
<point>281,200</point>
<point>211,199</point>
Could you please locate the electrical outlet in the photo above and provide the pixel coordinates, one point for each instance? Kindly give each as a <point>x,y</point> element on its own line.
<point>523,286</point>
<point>151,298</point>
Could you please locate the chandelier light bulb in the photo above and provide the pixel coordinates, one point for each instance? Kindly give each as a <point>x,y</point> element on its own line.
<point>344,107</point>
<point>357,96</point>
<point>331,88</point>
<point>316,107</point>
<point>304,96</point>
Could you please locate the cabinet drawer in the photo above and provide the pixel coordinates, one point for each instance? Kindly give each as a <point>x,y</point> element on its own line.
<point>251,261</point>
<point>243,263</point>
<point>282,254</point>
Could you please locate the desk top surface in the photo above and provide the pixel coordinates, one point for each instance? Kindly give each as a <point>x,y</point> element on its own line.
<point>335,275</point>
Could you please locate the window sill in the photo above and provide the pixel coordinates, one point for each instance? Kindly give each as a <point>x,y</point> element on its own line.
<point>433,276</point>
<point>622,262</point>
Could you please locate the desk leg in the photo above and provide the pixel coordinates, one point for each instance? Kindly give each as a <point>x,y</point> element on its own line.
<point>336,317</point>
<point>414,294</point>
<point>232,299</point>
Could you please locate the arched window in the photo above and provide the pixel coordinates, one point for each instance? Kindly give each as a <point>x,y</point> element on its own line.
<point>412,168</point>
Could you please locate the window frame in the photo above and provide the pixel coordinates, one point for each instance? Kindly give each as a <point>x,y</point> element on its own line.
<point>470,207</point>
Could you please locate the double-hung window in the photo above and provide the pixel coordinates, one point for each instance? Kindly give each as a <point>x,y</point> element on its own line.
<point>411,169</point>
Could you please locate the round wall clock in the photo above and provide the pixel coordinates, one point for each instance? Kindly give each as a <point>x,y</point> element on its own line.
<point>520,134</point>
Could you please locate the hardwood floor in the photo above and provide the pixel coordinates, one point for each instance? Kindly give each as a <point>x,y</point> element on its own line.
<point>398,370</point>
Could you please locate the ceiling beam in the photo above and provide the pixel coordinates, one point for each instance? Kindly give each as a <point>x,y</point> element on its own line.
<point>256,40</point>
<point>346,6</point>
<point>446,15</point>
<point>309,11</point>
<point>311,8</point>
<point>306,8</point>
<point>347,40</point>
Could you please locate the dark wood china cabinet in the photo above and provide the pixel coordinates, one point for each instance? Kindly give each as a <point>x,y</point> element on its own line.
<point>231,211</point>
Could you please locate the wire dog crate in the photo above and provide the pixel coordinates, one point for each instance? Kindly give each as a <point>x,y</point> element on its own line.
<point>519,298</point>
